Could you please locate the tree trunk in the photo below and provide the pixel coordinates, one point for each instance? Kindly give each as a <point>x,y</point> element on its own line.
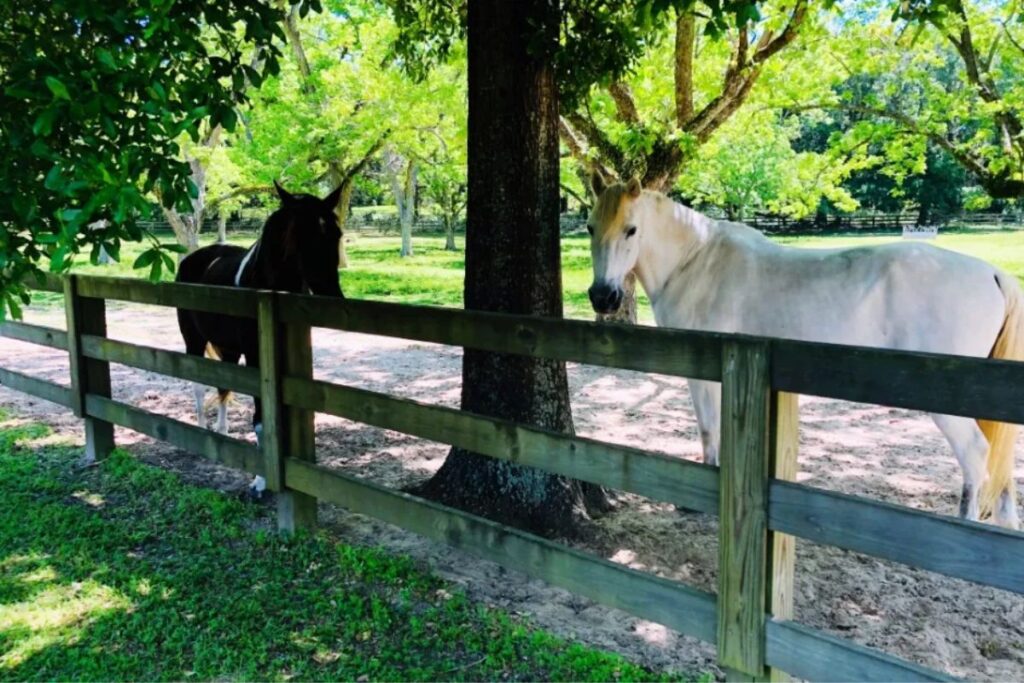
<point>408,212</point>
<point>184,230</point>
<point>222,227</point>
<point>404,188</point>
<point>513,263</point>
<point>449,232</point>
<point>347,181</point>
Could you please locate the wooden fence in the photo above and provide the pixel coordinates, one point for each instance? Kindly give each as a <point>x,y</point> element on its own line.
<point>761,508</point>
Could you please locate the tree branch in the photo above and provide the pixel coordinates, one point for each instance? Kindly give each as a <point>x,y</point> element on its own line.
<point>743,73</point>
<point>686,36</point>
<point>597,140</point>
<point>291,31</point>
<point>625,106</point>
<point>579,151</point>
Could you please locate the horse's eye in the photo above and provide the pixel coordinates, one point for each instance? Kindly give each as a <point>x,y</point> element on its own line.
<point>631,231</point>
<point>590,229</point>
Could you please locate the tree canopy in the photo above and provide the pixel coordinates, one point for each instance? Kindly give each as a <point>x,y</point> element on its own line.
<point>94,98</point>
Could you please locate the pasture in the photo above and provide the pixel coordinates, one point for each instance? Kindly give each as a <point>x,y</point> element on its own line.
<point>894,455</point>
<point>434,276</point>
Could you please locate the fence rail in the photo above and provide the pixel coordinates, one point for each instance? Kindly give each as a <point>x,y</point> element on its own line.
<point>761,509</point>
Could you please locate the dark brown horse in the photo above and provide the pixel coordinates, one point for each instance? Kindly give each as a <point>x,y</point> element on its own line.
<point>297,251</point>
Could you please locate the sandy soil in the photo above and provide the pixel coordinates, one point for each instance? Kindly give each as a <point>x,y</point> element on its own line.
<point>889,454</point>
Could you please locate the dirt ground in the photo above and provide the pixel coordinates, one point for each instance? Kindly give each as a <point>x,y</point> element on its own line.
<point>888,454</point>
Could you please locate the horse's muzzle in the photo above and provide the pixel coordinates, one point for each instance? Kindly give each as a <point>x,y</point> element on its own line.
<point>604,297</point>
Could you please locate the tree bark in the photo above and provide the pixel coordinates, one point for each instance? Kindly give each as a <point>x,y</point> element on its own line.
<point>513,262</point>
<point>449,233</point>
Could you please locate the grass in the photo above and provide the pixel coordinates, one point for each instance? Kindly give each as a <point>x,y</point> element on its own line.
<point>434,276</point>
<point>122,572</point>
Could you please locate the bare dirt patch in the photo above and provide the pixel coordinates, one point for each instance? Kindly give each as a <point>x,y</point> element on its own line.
<point>888,454</point>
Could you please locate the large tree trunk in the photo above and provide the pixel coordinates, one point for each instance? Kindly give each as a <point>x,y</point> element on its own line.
<point>512,263</point>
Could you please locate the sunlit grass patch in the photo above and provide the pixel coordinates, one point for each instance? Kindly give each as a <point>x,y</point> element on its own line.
<point>122,572</point>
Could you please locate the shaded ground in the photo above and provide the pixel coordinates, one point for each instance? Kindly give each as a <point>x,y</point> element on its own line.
<point>889,454</point>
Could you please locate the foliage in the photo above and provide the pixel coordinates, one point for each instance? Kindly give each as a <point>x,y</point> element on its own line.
<point>744,173</point>
<point>598,42</point>
<point>122,572</point>
<point>94,98</point>
<point>942,74</point>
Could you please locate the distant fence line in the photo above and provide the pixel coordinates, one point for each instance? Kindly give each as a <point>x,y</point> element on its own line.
<point>386,223</point>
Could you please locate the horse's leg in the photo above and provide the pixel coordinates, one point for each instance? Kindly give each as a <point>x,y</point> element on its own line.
<point>223,394</point>
<point>971,450</point>
<point>199,393</point>
<point>195,345</point>
<point>707,403</point>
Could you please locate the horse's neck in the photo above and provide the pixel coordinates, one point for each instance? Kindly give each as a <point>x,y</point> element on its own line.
<point>267,269</point>
<point>675,235</point>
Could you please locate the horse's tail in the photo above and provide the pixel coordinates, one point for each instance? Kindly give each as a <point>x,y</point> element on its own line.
<point>1009,345</point>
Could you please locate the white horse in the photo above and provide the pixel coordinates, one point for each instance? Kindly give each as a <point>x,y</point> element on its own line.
<point>704,274</point>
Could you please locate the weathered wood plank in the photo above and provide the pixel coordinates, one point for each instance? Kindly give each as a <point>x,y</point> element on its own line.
<point>35,334</point>
<point>227,300</point>
<point>783,465</point>
<point>973,387</point>
<point>743,524</point>
<point>650,349</point>
<point>812,655</point>
<point>174,364</point>
<point>223,449</point>
<point>688,484</point>
<point>296,510</point>
<point>273,441</point>
<point>88,375</point>
<point>977,552</point>
<point>666,602</point>
<point>48,391</point>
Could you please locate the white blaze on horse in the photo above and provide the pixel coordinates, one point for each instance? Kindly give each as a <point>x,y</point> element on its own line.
<point>704,274</point>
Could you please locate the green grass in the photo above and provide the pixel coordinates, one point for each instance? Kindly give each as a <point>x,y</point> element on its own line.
<point>434,276</point>
<point>122,572</point>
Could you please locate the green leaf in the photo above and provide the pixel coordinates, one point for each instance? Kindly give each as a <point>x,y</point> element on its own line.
<point>146,258</point>
<point>43,125</point>
<point>105,58</point>
<point>59,90</point>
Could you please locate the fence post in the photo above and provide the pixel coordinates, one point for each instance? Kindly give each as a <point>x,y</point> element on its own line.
<point>782,464</point>
<point>88,375</point>
<point>287,431</point>
<point>743,509</point>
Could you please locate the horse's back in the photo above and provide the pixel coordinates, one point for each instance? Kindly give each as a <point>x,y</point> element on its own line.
<point>212,265</point>
<point>906,295</point>
<point>217,265</point>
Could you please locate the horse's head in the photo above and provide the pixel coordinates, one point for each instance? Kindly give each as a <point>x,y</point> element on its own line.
<point>306,238</point>
<point>614,240</point>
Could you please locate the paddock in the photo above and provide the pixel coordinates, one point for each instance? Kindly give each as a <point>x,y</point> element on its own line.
<point>891,454</point>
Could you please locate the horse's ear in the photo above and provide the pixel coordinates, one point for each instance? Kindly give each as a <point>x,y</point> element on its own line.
<point>333,198</point>
<point>633,187</point>
<point>282,193</point>
<point>597,185</point>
